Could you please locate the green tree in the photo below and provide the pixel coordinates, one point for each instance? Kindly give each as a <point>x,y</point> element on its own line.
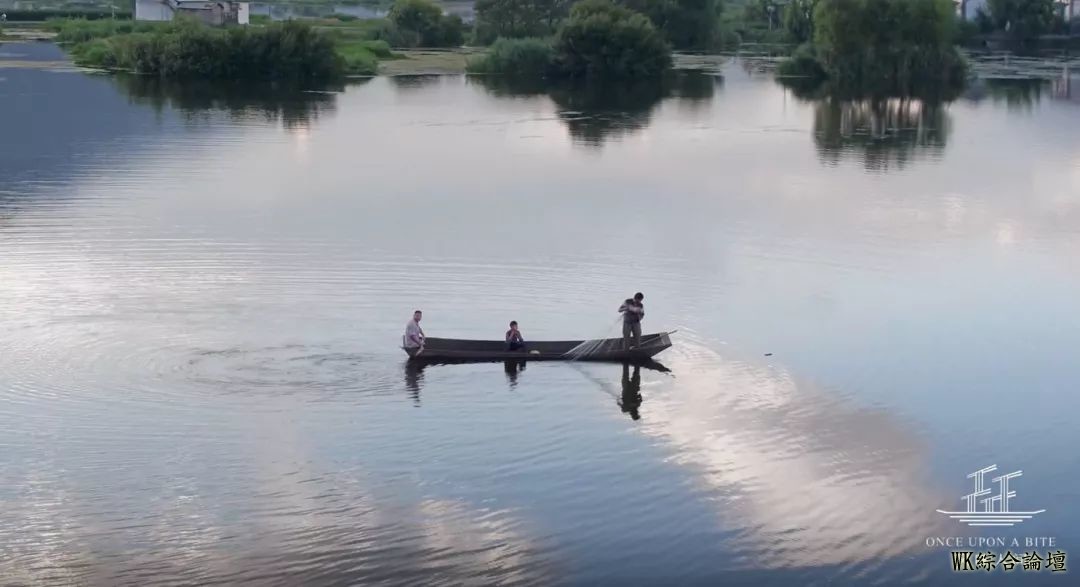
<point>422,23</point>
<point>1022,19</point>
<point>686,24</point>
<point>799,20</point>
<point>603,40</point>
<point>887,45</point>
<point>518,18</point>
<point>763,12</point>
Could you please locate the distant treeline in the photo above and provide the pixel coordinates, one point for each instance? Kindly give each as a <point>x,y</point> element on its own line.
<point>46,14</point>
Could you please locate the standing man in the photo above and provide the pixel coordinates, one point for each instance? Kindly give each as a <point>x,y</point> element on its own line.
<point>632,312</point>
<point>414,335</point>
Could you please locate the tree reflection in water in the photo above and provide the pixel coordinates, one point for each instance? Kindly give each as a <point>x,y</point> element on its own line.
<point>884,133</point>
<point>596,112</point>
<point>411,83</point>
<point>1018,94</point>
<point>880,127</point>
<point>295,106</point>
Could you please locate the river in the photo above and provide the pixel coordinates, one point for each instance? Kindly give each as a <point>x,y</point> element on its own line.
<point>204,291</point>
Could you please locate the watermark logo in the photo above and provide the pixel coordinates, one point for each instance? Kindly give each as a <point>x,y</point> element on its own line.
<point>984,508</point>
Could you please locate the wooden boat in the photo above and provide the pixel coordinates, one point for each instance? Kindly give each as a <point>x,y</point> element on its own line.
<point>609,349</point>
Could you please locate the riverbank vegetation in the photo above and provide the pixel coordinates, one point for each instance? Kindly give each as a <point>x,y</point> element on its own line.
<point>855,42</point>
<point>519,58</point>
<point>186,49</point>
<point>409,24</point>
<point>692,25</point>
<point>889,46</point>
<point>599,40</point>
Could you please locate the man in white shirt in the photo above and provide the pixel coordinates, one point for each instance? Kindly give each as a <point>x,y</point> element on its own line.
<point>414,335</point>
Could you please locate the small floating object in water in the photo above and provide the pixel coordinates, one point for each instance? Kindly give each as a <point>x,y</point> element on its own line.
<point>768,354</point>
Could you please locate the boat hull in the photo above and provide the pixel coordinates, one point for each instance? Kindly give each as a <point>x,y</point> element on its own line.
<point>611,350</point>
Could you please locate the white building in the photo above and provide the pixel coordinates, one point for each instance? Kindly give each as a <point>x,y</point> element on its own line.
<point>212,12</point>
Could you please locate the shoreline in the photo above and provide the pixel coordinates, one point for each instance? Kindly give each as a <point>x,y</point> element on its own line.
<point>409,62</point>
<point>453,61</point>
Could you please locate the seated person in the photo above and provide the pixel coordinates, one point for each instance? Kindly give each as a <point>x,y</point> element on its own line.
<point>514,340</point>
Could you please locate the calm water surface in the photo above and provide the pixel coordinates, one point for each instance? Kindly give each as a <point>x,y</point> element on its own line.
<point>203,290</point>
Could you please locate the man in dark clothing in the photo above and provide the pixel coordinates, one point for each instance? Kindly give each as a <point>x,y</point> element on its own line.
<point>632,311</point>
<point>514,340</point>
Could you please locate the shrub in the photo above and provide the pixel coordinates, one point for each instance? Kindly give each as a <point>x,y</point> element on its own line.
<point>516,57</point>
<point>359,60</point>
<point>802,63</point>
<point>601,39</point>
<point>290,50</point>
<point>380,49</point>
<point>98,52</point>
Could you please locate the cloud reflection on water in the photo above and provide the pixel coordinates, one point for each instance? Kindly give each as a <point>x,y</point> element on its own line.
<point>282,518</point>
<point>803,477</point>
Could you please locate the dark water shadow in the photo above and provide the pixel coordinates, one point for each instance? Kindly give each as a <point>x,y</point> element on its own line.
<point>878,126</point>
<point>596,112</point>
<point>629,401</point>
<point>513,368</point>
<point>413,83</point>
<point>628,395</point>
<point>294,106</point>
<point>414,380</point>
<point>631,398</point>
<point>1017,94</point>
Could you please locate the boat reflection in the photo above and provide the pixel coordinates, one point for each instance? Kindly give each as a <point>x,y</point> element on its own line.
<point>629,396</point>
<point>629,400</point>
